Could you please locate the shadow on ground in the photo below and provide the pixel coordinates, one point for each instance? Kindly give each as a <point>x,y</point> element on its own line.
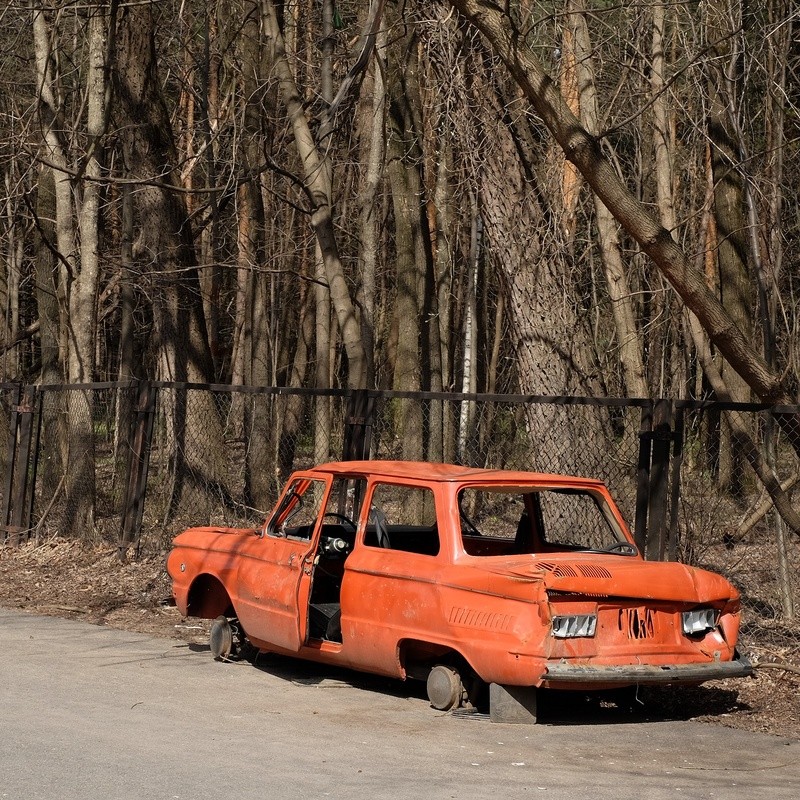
<point>621,706</point>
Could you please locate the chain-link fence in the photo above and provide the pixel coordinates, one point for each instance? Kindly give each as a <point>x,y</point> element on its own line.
<point>137,463</point>
<point>572,436</point>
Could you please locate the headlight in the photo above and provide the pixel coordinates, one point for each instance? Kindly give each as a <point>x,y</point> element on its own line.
<point>574,626</point>
<point>699,621</point>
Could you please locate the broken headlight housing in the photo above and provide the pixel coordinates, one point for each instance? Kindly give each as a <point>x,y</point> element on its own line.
<point>699,621</point>
<point>574,626</point>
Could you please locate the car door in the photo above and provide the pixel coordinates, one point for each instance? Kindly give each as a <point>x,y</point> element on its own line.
<point>275,581</point>
<point>391,590</point>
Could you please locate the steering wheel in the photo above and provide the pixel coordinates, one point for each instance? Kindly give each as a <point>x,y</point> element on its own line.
<point>341,517</point>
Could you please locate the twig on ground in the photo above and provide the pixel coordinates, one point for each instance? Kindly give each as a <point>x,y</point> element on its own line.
<point>776,665</point>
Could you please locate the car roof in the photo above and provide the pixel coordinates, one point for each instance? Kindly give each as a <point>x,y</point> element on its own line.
<point>444,473</point>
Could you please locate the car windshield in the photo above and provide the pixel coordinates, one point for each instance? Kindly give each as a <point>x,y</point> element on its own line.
<point>507,521</point>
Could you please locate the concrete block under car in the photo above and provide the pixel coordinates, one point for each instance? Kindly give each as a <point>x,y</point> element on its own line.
<point>512,704</point>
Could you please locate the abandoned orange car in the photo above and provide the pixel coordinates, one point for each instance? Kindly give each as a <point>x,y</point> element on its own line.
<point>460,577</point>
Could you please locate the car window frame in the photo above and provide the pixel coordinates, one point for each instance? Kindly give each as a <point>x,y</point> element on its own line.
<point>366,512</point>
<point>540,545</point>
<point>281,514</point>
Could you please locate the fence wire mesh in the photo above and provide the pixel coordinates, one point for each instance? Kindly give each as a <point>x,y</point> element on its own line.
<point>220,455</point>
<point>564,438</point>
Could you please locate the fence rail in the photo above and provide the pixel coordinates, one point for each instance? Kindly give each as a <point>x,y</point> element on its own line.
<point>136,462</point>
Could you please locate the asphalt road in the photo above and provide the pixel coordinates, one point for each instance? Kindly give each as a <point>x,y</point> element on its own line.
<point>87,712</point>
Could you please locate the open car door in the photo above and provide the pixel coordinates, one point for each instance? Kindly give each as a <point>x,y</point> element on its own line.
<point>274,588</point>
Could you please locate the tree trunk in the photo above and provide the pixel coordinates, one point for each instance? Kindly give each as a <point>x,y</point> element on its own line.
<point>729,217</point>
<point>551,343</point>
<point>80,487</point>
<point>323,329</point>
<point>165,252</point>
<point>412,244</point>
<point>469,375</point>
<point>374,126</point>
<point>292,418</point>
<point>662,138</point>
<point>442,440</point>
<point>254,416</point>
<point>10,278</point>
<point>661,374</point>
<point>619,292</point>
<point>210,273</point>
<point>77,281</point>
<point>46,278</point>
<point>321,216</point>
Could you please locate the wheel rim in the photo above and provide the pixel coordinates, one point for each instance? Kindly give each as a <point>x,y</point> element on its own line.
<point>220,638</point>
<point>444,687</point>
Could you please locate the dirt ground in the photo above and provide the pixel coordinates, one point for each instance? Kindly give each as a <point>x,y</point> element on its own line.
<point>66,579</point>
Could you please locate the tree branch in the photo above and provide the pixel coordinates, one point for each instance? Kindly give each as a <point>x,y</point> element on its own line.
<point>349,85</point>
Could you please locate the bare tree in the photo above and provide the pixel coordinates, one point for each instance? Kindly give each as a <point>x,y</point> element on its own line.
<point>619,292</point>
<point>314,175</point>
<point>164,251</point>
<point>735,284</point>
<point>412,239</point>
<point>77,245</point>
<point>584,151</point>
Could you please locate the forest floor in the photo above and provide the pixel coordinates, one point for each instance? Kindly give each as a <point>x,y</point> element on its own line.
<point>66,579</point>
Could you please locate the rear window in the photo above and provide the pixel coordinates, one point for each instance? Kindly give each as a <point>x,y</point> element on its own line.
<point>510,521</point>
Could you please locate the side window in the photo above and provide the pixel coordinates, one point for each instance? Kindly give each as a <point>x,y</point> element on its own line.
<point>344,502</point>
<point>402,518</point>
<point>297,513</point>
<point>495,522</point>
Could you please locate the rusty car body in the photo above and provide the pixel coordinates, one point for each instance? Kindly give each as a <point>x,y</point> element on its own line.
<point>462,577</point>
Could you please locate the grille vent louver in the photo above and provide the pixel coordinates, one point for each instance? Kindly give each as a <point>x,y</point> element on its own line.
<point>572,571</point>
<point>593,571</point>
<point>560,570</point>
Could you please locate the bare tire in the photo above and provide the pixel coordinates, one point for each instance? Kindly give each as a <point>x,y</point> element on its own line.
<point>445,690</point>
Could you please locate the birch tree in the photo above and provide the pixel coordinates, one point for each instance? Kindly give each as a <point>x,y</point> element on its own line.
<point>77,245</point>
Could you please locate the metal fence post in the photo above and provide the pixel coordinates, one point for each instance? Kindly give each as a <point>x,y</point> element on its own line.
<point>657,527</point>
<point>138,465</point>
<point>675,492</point>
<point>358,425</point>
<point>8,474</point>
<point>643,477</point>
<point>16,508</point>
<point>651,528</point>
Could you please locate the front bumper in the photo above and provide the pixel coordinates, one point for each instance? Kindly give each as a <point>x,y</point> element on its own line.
<point>562,673</point>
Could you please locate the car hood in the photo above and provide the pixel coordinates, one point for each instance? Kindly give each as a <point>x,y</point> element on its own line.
<point>621,576</point>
